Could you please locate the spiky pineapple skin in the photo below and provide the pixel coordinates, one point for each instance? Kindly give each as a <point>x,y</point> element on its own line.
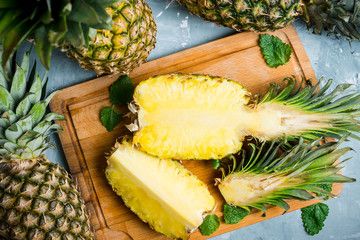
<point>245,15</point>
<point>39,200</point>
<point>125,46</point>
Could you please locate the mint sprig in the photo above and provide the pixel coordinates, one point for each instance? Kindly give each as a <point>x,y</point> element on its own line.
<point>210,224</point>
<point>233,214</point>
<point>313,217</point>
<point>120,92</point>
<point>274,50</point>
<point>110,117</point>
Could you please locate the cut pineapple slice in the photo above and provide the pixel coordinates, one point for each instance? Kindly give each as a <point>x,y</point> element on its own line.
<point>161,192</point>
<point>202,117</point>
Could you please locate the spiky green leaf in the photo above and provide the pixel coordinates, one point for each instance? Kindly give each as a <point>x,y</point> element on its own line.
<point>43,46</point>
<point>36,89</point>
<point>18,84</point>
<point>24,106</point>
<point>38,111</point>
<point>6,100</point>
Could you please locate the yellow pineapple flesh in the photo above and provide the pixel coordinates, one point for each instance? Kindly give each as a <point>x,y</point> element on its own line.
<point>184,117</point>
<point>161,192</point>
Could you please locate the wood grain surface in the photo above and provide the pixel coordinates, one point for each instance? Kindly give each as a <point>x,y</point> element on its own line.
<point>85,140</point>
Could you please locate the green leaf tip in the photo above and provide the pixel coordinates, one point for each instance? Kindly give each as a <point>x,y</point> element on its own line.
<point>233,214</point>
<point>121,91</point>
<point>210,224</point>
<point>50,25</point>
<point>274,50</point>
<point>313,217</point>
<point>110,117</point>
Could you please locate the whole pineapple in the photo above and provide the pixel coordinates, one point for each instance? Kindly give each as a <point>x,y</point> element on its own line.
<point>337,16</point>
<point>105,36</point>
<point>38,199</point>
<point>181,116</point>
<point>123,47</point>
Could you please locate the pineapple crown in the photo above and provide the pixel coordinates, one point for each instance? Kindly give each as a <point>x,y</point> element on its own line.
<point>24,124</point>
<point>341,17</point>
<point>341,105</point>
<point>50,23</point>
<point>304,168</point>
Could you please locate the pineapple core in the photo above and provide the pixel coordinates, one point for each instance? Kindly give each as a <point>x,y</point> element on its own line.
<point>161,192</point>
<point>243,189</point>
<point>202,117</point>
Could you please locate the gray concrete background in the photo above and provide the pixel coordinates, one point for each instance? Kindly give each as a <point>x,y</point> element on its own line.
<point>331,58</point>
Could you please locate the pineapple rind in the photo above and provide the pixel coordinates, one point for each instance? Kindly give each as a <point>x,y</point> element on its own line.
<point>125,46</point>
<point>161,192</point>
<point>37,199</point>
<point>339,17</point>
<point>244,15</point>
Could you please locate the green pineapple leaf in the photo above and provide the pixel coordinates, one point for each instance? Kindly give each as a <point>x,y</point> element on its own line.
<point>110,117</point>
<point>43,46</point>
<point>233,214</point>
<point>274,51</point>
<point>121,91</point>
<point>6,100</point>
<point>313,217</point>
<point>210,224</point>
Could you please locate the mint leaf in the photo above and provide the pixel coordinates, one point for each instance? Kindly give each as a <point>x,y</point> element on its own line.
<point>122,90</point>
<point>313,217</point>
<point>327,188</point>
<point>210,224</point>
<point>274,51</point>
<point>215,163</point>
<point>110,117</point>
<point>233,214</point>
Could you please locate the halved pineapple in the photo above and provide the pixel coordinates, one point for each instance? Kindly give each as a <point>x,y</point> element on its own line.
<point>203,117</point>
<point>162,193</point>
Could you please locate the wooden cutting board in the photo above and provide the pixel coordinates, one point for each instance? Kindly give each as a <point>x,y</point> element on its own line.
<point>85,140</point>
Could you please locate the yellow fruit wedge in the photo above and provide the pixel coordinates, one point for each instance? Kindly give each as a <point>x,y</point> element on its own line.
<point>162,193</point>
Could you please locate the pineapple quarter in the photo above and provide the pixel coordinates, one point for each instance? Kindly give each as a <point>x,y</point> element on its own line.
<point>262,177</point>
<point>202,117</point>
<point>161,192</point>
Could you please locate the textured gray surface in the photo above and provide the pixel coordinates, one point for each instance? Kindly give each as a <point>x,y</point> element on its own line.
<point>331,58</point>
